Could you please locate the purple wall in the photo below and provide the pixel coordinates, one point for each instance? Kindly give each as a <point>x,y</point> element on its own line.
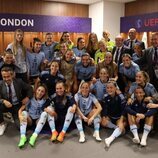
<point>142,23</point>
<point>40,23</point>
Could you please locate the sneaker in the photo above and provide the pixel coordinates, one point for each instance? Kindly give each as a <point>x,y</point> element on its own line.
<point>22,142</point>
<point>143,142</point>
<point>54,136</point>
<point>32,140</point>
<point>136,140</point>
<point>2,128</point>
<point>82,137</point>
<point>61,137</point>
<point>107,143</point>
<point>96,135</point>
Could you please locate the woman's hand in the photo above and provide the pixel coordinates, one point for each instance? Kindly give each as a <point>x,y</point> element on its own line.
<point>90,120</point>
<point>85,118</point>
<point>73,109</point>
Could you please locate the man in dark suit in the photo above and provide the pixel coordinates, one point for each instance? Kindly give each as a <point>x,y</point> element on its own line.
<point>14,95</point>
<point>132,40</point>
<point>119,50</point>
<point>150,58</point>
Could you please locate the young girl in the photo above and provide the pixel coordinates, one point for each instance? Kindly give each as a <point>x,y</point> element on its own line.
<point>19,52</point>
<point>64,108</point>
<point>36,112</point>
<point>137,112</point>
<point>99,87</point>
<point>113,112</point>
<point>88,109</point>
<point>67,69</point>
<point>142,79</point>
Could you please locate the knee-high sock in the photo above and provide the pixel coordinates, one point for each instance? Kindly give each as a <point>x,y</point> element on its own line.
<point>40,123</point>
<point>134,130</point>
<point>117,132</point>
<point>68,119</point>
<point>96,122</point>
<point>114,135</point>
<point>51,122</point>
<point>147,129</point>
<point>23,124</point>
<point>78,122</point>
<point>111,125</point>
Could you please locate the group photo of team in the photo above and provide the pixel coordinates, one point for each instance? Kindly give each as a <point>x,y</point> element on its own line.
<point>98,83</point>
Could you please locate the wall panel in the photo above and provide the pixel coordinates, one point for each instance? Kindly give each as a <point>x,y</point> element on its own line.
<point>141,7</point>
<point>40,7</point>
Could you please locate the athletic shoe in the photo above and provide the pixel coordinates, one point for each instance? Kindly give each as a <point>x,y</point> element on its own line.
<point>96,135</point>
<point>61,137</point>
<point>32,140</point>
<point>2,128</point>
<point>136,140</point>
<point>82,137</point>
<point>107,143</point>
<point>22,142</point>
<point>143,142</point>
<point>54,136</point>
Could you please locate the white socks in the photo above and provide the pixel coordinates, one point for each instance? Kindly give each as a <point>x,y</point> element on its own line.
<point>134,130</point>
<point>136,139</point>
<point>117,132</point>
<point>147,129</point>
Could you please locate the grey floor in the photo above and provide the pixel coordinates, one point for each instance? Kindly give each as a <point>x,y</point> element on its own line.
<point>70,148</point>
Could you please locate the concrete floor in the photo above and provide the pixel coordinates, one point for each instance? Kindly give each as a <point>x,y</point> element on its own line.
<point>120,148</point>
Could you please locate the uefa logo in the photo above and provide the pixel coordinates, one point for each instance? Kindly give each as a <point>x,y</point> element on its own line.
<point>138,23</point>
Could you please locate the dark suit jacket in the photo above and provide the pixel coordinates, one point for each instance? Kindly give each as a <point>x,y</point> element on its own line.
<point>22,90</point>
<point>148,60</point>
<point>124,50</point>
<point>126,43</point>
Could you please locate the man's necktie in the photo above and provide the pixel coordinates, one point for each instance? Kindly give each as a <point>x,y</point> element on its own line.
<point>131,45</point>
<point>117,55</point>
<point>155,56</point>
<point>10,93</point>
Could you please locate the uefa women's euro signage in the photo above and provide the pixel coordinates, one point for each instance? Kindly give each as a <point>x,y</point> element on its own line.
<point>142,23</point>
<point>42,23</point>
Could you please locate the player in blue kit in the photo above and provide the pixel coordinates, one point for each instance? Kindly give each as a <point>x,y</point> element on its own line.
<point>36,112</point>
<point>50,77</point>
<point>127,71</point>
<point>64,108</point>
<point>48,47</point>
<point>35,60</point>
<point>99,87</point>
<point>139,112</point>
<point>84,70</point>
<point>88,110</point>
<point>113,111</point>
